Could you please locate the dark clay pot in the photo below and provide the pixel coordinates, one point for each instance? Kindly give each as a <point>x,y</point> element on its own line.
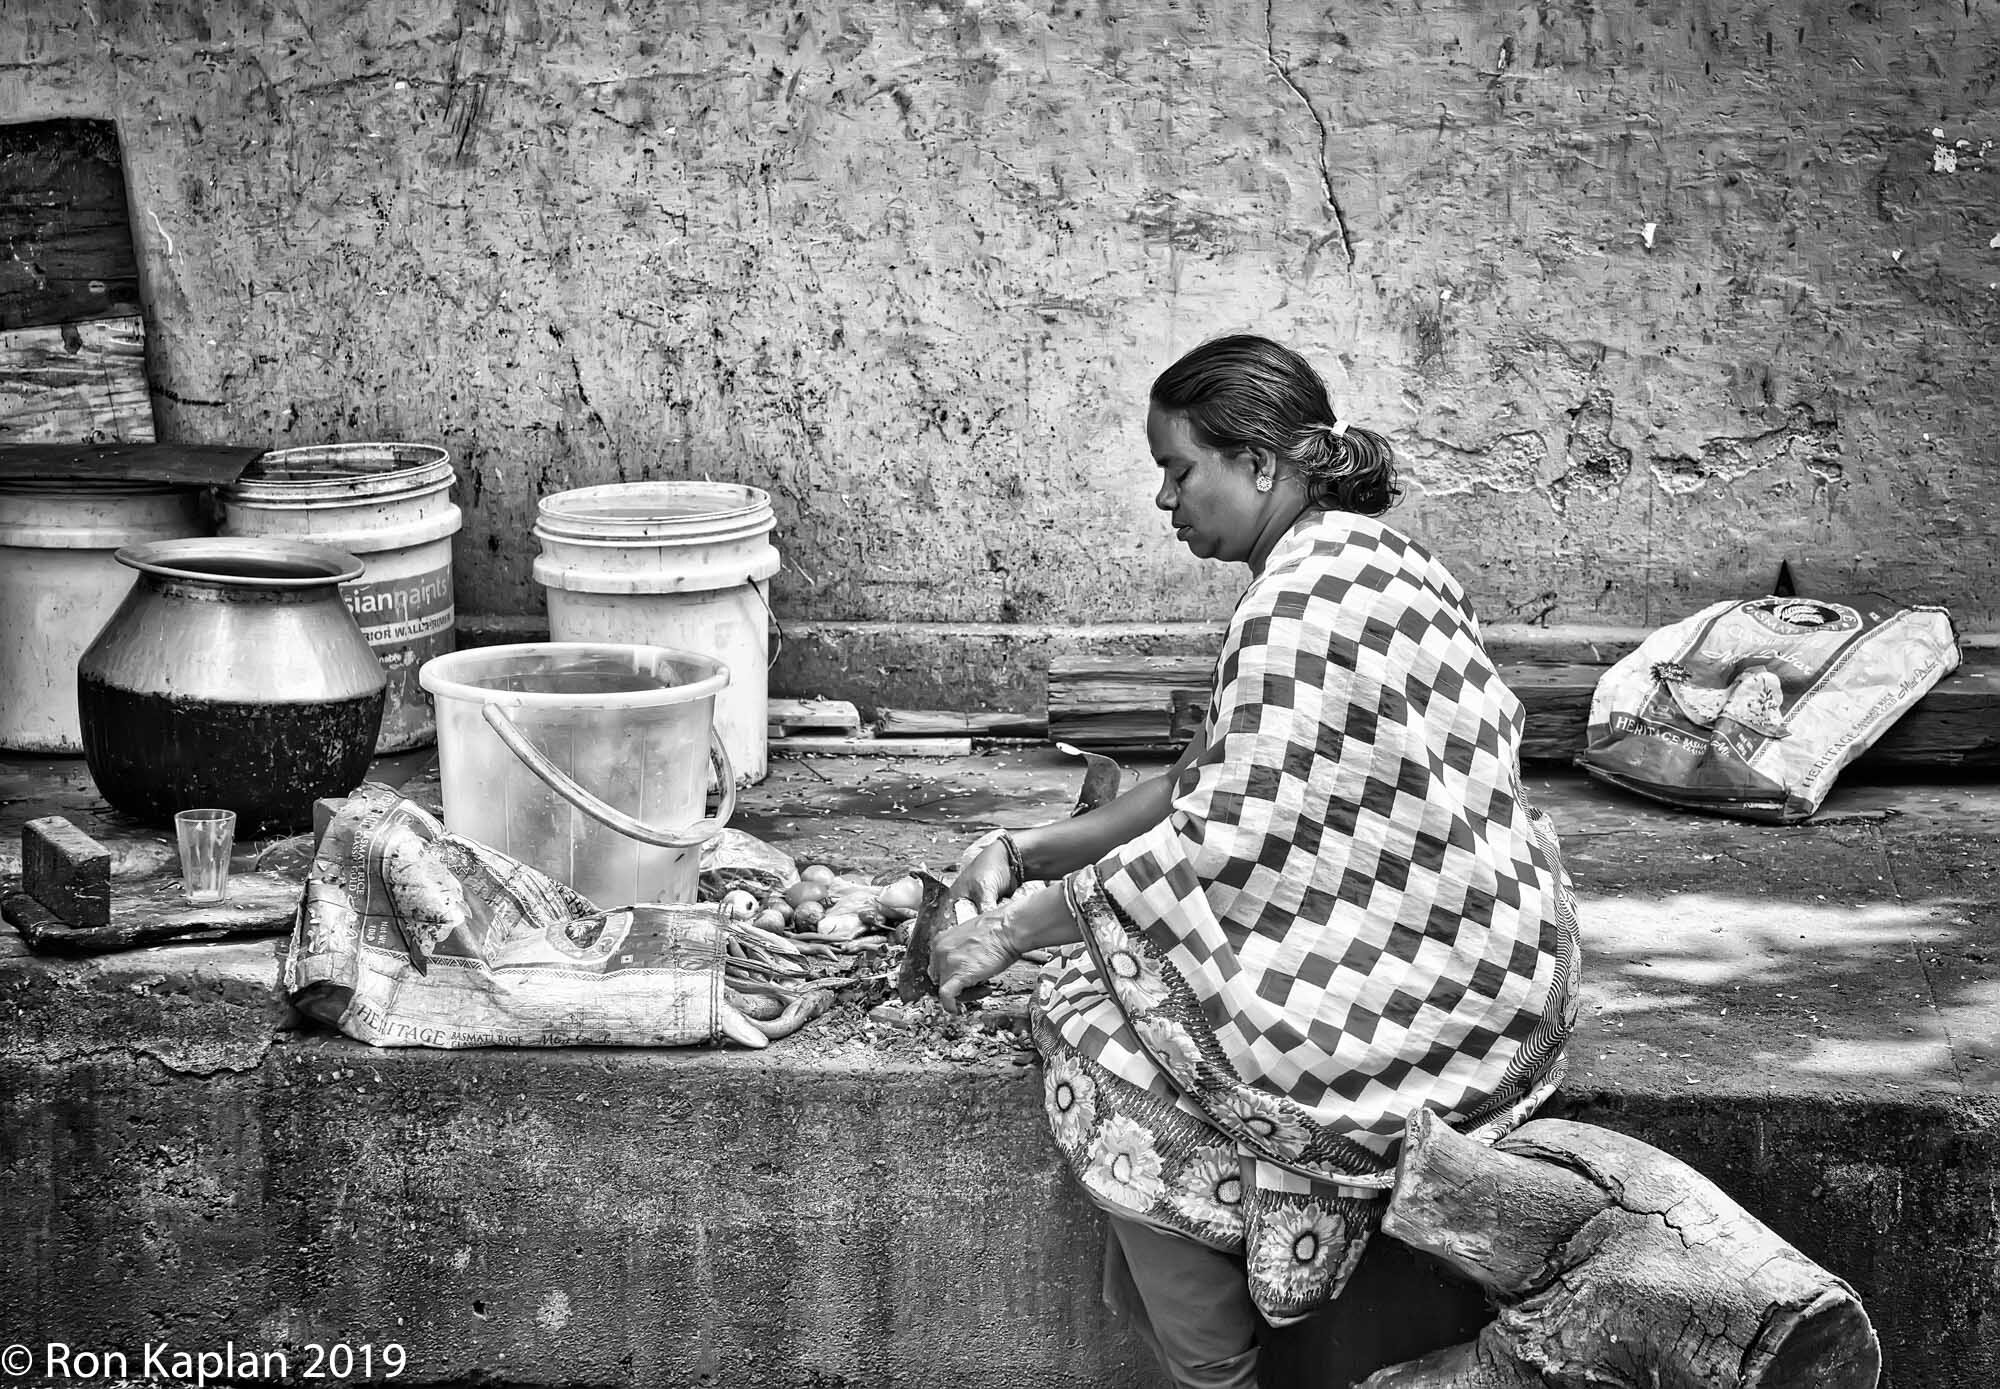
<point>232,676</point>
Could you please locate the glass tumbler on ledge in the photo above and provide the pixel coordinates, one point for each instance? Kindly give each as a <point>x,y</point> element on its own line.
<point>207,837</point>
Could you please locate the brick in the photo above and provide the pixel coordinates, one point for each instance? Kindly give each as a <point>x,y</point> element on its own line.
<point>67,871</point>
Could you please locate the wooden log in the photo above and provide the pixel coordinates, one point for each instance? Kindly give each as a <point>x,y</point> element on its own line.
<point>66,871</point>
<point>1159,701</point>
<point>1614,1263</point>
<point>1529,1207</point>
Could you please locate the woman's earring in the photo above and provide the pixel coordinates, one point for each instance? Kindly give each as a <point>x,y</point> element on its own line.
<point>1263,482</point>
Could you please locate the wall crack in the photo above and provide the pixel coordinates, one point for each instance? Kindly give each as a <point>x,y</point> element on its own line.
<point>1340,229</point>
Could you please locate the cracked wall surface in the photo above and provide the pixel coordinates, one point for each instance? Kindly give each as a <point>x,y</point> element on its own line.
<point>1649,296</point>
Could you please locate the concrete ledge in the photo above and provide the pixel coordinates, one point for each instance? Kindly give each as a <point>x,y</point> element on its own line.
<point>558,1219</point>
<point>633,1218</point>
<point>993,665</point>
<point>1806,1015</point>
<point>193,1009</point>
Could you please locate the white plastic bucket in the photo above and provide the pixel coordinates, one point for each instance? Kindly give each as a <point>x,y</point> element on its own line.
<point>388,504</point>
<point>589,761</point>
<point>59,585</point>
<point>679,564</point>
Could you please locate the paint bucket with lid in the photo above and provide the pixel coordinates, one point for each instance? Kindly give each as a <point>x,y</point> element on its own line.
<point>388,504</point>
<point>676,564</point>
<point>60,581</point>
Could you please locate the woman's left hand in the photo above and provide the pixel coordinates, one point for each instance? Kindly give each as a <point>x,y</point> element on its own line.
<point>970,952</point>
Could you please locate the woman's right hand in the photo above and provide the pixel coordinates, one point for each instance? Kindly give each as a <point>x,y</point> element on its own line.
<point>987,878</point>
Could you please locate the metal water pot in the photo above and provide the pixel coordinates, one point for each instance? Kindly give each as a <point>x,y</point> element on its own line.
<point>232,676</point>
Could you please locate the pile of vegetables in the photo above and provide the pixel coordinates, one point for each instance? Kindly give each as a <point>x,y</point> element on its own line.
<point>780,936</point>
<point>823,907</point>
<point>769,990</point>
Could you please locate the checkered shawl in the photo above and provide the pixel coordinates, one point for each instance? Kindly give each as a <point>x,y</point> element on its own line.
<point>1349,914</point>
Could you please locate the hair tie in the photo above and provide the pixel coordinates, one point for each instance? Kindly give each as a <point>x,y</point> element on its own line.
<point>1338,428</point>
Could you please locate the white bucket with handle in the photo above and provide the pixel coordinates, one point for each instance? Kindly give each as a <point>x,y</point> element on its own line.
<point>589,761</point>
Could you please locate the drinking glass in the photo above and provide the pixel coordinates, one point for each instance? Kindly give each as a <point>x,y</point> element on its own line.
<point>206,837</point>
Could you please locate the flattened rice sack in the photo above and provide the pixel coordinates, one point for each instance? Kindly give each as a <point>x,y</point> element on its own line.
<point>407,936</point>
<point>1752,708</point>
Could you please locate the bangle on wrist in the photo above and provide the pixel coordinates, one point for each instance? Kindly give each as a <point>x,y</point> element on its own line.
<point>1014,864</point>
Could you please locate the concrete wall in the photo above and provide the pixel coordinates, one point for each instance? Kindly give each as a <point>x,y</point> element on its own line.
<point>1649,295</point>
<point>173,1173</point>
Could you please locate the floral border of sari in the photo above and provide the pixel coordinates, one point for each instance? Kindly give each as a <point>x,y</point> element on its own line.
<point>1217,1159</point>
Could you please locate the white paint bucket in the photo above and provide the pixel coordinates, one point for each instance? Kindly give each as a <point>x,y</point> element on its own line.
<point>676,564</point>
<point>389,505</point>
<point>59,585</point>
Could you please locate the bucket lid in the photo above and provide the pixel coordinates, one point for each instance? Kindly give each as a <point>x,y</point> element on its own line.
<point>656,511</point>
<point>243,562</point>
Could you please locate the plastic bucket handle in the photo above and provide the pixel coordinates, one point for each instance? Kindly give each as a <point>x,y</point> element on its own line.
<point>552,776</point>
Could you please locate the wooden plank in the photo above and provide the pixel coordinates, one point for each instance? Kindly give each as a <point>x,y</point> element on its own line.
<point>865,746</point>
<point>185,465</point>
<point>81,382</point>
<point>931,723</point>
<point>1954,728</point>
<point>1134,702</point>
<point>782,716</point>
<point>1124,700</point>
<point>1556,699</point>
<point>65,225</point>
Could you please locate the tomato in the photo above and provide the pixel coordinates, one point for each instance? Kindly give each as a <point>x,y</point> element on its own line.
<point>804,891</point>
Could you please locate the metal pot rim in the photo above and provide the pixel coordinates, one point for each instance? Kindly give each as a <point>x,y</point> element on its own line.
<point>314,566</point>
